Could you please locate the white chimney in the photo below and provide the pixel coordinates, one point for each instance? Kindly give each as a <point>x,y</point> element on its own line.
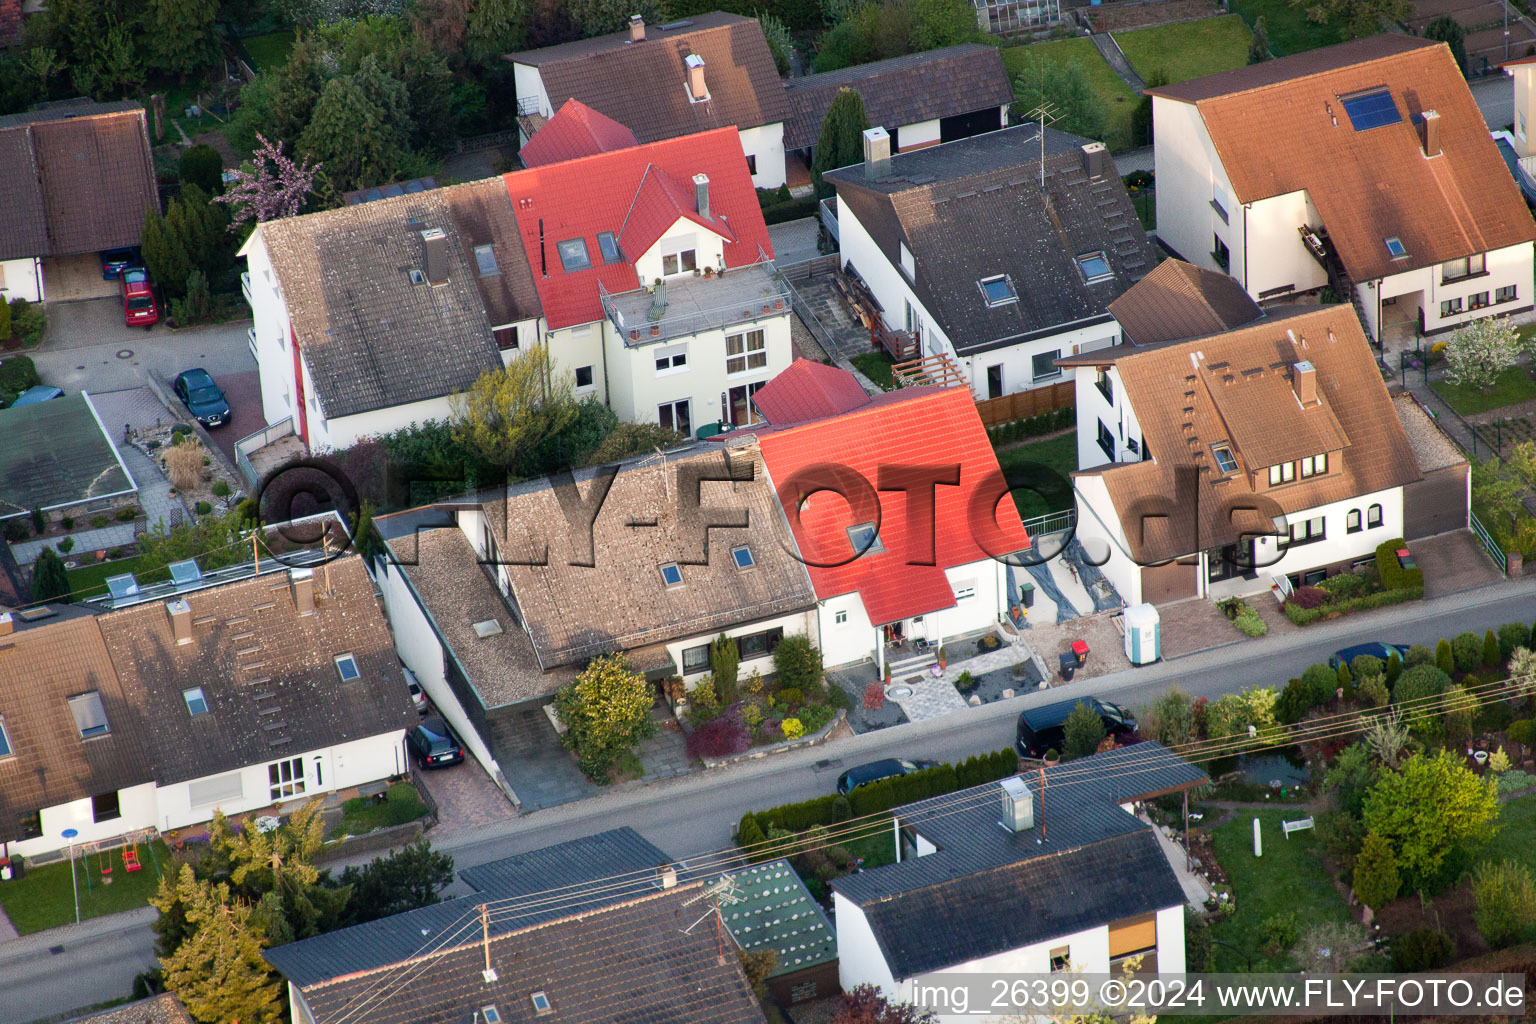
<point>697,91</point>
<point>303,583</point>
<point>877,152</point>
<point>666,876</point>
<point>181,621</point>
<point>1018,805</point>
<point>6,624</point>
<point>701,194</point>
<point>434,255</point>
<point>1304,377</point>
<point>636,29</point>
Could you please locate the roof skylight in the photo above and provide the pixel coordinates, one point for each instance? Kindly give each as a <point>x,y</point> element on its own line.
<point>1395,247</point>
<point>1372,109</point>
<point>1095,267</point>
<point>998,291</point>
<point>671,574</point>
<point>573,254</point>
<point>485,260</point>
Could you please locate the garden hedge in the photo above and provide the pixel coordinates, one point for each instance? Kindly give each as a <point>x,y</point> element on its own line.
<point>1032,426</point>
<point>1380,599</point>
<point>1393,575</point>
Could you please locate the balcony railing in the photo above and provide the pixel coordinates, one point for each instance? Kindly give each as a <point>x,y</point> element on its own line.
<point>245,287</point>
<point>684,306</point>
<point>527,105</point>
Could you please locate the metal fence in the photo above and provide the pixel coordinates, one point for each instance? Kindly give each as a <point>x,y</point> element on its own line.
<point>1054,522</point>
<point>255,442</point>
<point>1495,552</point>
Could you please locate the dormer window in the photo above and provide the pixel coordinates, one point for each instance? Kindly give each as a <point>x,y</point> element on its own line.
<point>998,291</point>
<point>573,254</point>
<point>1095,267</point>
<point>1226,462</point>
<point>1315,465</point>
<point>1395,248</point>
<point>1282,474</point>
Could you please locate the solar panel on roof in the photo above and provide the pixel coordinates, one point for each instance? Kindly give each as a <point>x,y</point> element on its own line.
<point>371,195</point>
<point>1371,110</point>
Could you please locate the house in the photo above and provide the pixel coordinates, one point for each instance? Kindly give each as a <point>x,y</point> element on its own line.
<point>627,955</point>
<point>75,178</point>
<point>575,131</point>
<point>1523,72</point>
<point>231,692</point>
<point>1179,300</point>
<point>773,910</point>
<point>985,264</point>
<point>60,459</point>
<point>1214,466</point>
<point>1032,875</point>
<point>921,99</point>
<point>161,1009</point>
<point>665,81</point>
<point>491,635</point>
<point>921,565</point>
<point>370,317</point>
<point>1364,167</point>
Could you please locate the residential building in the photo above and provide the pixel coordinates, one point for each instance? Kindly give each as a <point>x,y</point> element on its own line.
<point>75,178</point>
<point>1048,873</point>
<point>491,636</point>
<point>921,565</point>
<point>1523,72</point>
<point>161,1009</point>
<point>652,266</point>
<point>1217,466</point>
<point>921,99</point>
<point>982,261</point>
<point>1179,300</point>
<point>575,131</point>
<point>773,910</point>
<point>665,81</point>
<point>232,692</point>
<point>60,459</point>
<point>1364,167</point>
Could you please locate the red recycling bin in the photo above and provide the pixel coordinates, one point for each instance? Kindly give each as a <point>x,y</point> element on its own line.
<point>1080,652</point>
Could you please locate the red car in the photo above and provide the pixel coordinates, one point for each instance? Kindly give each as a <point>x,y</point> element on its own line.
<point>138,300</point>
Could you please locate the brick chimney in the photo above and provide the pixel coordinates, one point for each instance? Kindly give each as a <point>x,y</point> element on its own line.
<point>1096,161</point>
<point>697,90</point>
<point>1304,380</point>
<point>434,255</point>
<point>877,152</point>
<point>636,29</point>
<point>701,194</point>
<point>1429,132</point>
<point>302,582</point>
<point>181,620</point>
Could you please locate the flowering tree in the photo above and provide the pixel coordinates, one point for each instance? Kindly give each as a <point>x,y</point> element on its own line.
<point>1480,351</point>
<point>606,711</point>
<point>275,187</point>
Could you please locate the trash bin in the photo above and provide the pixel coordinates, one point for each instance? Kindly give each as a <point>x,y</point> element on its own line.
<point>1068,667</point>
<point>1080,652</point>
<point>1027,595</point>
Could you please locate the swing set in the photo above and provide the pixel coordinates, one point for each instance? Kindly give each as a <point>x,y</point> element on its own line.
<point>126,847</point>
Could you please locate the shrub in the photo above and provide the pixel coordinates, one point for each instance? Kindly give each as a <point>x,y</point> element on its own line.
<point>791,697</point>
<point>815,716</point>
<point>1491,655</point>
<point>724,658</point>
<point>127,513</point>
<point>1280,931</point>
<point>983,768</point>
<point>840,809</point>
<point>1308,597</point>
<point>1415,687</point>
<point>1395,665</point>
<point>1381,599</point>
<point>1320,681</point>
<point>1367,665</point>
<point>1373,690</point>
<point>1084,731</point>
<point>68,522</point>
<point>1346,681</point>
<point>1345,584</point>
<point>1418,654</point>
<point>797,663</point>
<point>203,508</point>
<point>1499,762</point>
<point>99,520</point>
<point>749,834</point>
<point>1515,780</point>
<point>184,465</point>
<point>751,716</point>
<point>1505,898</point>
<point>793,729</point>
<point>1422,949</point>
<point>1443,656</point>
<point>1467,651</point>
<point>1512,635</point>
<point>1393,575</point>
<point>16,530</point>
<point>1198,948</point>
<point>1376,879</point>
<point>39,524</point>
<point>721,737</point>
<point>221,489</point>
<point>1250,623</point>
<point>965,682</point>
<point>1522,731</point>
<point>1295,701</point>
<point>66,545</point>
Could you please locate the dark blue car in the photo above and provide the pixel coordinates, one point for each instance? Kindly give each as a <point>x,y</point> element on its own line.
<point>202,397</point>
<point>115,261</point>
<point>1374,649</point>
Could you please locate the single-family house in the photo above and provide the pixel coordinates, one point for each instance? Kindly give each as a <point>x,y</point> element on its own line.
<point>75,178</point>
<point>914,547</point>
<point>1364,167</point>
<point>161,1009</point>
<point>60,459</point>
<point>992,256</point>
<point>231,692</point>
<point>1038,873</point>
<point>1218,465</point>
<point>921,99</point>
<point>665,81</point>
<point>575,131</point>
<point>498,601</point>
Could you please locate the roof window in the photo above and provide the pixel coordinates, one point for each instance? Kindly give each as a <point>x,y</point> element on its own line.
<point>197,704</point>
<point>6,750</point>
<point>865,539</point>
<point>346,667</point>
<point>671,574</point>
<point>490,1014</point>
<point>743,556</point>
<point>1371,109</point>
<point>1095,267</point>
<point>609,246</point>
<point>1395,247</point>
<point>485,260</point>
<point>573,254</point>
<point>541,1004</point>
<point>487,627</point>
<point>998,291</point>
<point>90,715</point>
<point>1225,460</point>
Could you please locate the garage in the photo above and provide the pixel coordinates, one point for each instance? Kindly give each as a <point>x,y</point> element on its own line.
<point>67,278</point>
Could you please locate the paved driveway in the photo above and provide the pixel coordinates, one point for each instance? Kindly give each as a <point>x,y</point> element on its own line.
<point>88,346</point>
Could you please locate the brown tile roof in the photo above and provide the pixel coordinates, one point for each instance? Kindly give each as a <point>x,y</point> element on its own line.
<point>902,90</point>
<point>643,86</point>
<point>79,174</point>
<point>574,613</point>
<point>252,652</point>
<point>1281,127</point>
<point>164,1009</point>
<point>1178,300</point>
<point>482,213</point>
<point>41,667</point>
<point>1236,387</point>
<point>632,962</point>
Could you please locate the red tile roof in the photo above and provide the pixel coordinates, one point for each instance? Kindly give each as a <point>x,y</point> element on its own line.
<point>919,427</point>
<point>580,198</point>
<point>575,131</point>
<point>809,391</point>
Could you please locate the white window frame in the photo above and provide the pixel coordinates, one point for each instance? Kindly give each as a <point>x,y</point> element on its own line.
<point>670,360</point>
<point>1283,473</point>
<point>965,590</point>
<point>7,748</point>
<point>1374,517</point>
<point>1314,465</point>
<point>907,261</point>
<point>289,781</point>
<point>749,358</point>
<point>583,388</point>
<point>1055,371</point>
<point>743,549</point>
<point>662,569</point>
<point>195,693</point>
<point>348,658</point>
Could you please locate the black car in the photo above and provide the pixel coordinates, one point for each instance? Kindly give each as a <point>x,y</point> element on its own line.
<point>434,744</point>
<point>202,397</point>
<point>1374,649</point>
<point>887,768</point>
<point>1042,729</point>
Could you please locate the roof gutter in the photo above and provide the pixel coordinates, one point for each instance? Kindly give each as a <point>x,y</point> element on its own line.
<point>1035,335</point>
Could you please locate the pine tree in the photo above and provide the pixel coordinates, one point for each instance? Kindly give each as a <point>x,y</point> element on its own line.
<point>50,580</point>
<point>841,142</point>
<point>724,658</point>
<point>1491,655</point>
<point>1448,30</point>
<point>1443,657</point>
<point>218,972</point>
<point>1376,878</point>
<point>1258,46</point>
<point>180,36</point>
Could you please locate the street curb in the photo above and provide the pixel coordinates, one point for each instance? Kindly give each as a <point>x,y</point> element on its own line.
<point>95,927</point>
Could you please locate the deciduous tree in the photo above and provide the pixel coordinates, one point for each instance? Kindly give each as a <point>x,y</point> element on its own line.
<point>268,186</point>
<point>1064,89</point>
<point>1481,350</point>
<point>865,1005</point>
<point>1431,807</point>
<point>509,411</point>
<point>1357,18</point>
<point>606,711</point>
<point>841,142</point>
<point>597,17</point>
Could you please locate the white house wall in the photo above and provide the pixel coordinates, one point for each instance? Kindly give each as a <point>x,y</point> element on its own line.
<point>1187,167</point>
<point>529,333</point>
<point>766,143</point>
<point>345,431</point>
<point>1524,76</point>
<point>916,135</point>
<point>1511,266</point>
<point>859,960</point>
<point>854,639</point>
<point>1092,409</point>
<point>1339,546</point>
<point>886,281</point>
<point>1170,940</point>
<point>851,640</point>
<point>269,315</point>
<point>22,279</point>
<point>1100,532</point>
<point>1017,360</point>
<point>1274,258</point>
<point>795,624</point>
<point>709,249</point>
<point>572,348</point>
<point>529,85</point>
<point>137,809</point>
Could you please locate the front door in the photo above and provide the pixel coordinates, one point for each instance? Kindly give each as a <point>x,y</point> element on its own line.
<point>995,381</point>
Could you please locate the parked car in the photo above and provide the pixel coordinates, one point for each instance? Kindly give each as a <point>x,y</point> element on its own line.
<point>434,744</point>
<point>886,768</point>
<point>139,309</point>
<point>1375,650</point>
<point>202,397</point>
<point>1042,729</point>
<point>418,695</point>
<point>115,261</point>
<point>41,393</point>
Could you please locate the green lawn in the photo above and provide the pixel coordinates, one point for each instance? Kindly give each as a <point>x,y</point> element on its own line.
<point>90,580</point>
<point>1059,456</point>
<point>362,815</point>
<point>877,367</point>
<point>43,898</point>
<point>1516,838</point>
<point>1514,385</point>
<point>1189,49</point>
<point>1286,25</point>
<point>1116,96</point>
<point>270,51</point>
<point>1290,877</point>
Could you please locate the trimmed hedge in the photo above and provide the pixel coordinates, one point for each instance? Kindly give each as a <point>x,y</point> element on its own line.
<point>1393,575</point>
<point>1033,426</point>
<point>1380,599</point>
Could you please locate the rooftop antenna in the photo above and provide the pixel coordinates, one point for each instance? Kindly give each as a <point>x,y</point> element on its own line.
<point>1045,114</point>
<point>721,891</point>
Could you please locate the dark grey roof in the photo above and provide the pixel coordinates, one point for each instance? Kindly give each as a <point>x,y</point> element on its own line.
<point>64,110</point>
<point>974,209</point>
<point>56,453</point>
<point>774,910</point>
<point>987,889</point>
<point>562,872</point>
<point>902,90</point>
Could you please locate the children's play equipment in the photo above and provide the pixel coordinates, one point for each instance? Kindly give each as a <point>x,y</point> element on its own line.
<point>123,849</point>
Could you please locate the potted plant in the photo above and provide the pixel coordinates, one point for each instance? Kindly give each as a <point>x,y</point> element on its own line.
<point>965,682</point>
<point>655,330</point>
<point>709,272</point>
<point>634,334</point>
<point>778,304</point>
<point>1052,757</point>
<point>943,656</point>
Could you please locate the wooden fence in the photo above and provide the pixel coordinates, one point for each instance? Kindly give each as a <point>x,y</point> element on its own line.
<point>1024,404</point>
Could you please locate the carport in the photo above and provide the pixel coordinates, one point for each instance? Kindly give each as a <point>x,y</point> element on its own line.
<point>67,278</point>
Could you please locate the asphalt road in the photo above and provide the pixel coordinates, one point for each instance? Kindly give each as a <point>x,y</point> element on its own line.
<point>693,815</point>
